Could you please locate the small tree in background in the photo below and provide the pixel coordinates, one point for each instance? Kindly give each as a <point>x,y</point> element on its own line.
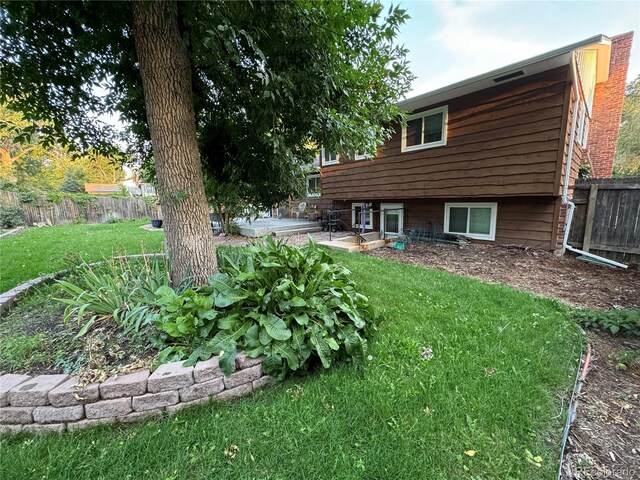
<point>73,182</point>
<point>627,160</point>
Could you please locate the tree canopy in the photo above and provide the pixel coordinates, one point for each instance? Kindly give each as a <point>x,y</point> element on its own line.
<point>270,81</point>
<point>627,160</point>
<point>30,167</point>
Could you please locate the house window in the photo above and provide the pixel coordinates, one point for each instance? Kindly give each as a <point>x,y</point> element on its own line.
<point>328,157</point>
<point>473,220</point>
<point>582,126</point>
<point>391,219</point>
<point>585,132</point>
<point>313,186</point>
<point>361,156</point>
<point>425,130</point>
<point>356,215</point>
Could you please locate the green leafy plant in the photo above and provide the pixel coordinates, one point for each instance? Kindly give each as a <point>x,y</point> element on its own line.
<point>292,304</point>
<point>627,358</point>
<point>185,316</point>
<point>120,289</point>
<point>623,322</point>
<point>11,216</point>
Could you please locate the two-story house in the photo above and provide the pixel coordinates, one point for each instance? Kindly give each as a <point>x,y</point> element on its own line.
<point>494,157</point>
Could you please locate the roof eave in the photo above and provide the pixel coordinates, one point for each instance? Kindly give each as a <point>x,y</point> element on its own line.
<point>444,93</point>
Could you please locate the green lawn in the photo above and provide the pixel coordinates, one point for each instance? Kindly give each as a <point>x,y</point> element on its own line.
<point>502,368</point>
<point>46,250</point>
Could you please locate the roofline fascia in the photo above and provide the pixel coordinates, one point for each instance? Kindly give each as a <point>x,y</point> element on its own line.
<point>514,66</point>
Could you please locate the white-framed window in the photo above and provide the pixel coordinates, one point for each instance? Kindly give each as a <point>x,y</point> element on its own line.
<point>313,185</point>
<point>361,156</point>
<point>328,157</point>
<point>580,122</point>
<point>585,132</point>
<point>473,220</point>
<point>356,215</point>
<point>583,125</point>
<point>391,219</point>
<point>425,130</point>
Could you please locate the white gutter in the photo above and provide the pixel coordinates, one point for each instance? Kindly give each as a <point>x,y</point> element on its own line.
<point>567,176</point>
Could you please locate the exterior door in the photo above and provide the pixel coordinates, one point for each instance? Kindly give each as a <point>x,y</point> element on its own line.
<point>391,219</point>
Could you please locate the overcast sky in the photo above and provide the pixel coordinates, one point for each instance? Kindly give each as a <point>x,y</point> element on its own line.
<point>449,41</point>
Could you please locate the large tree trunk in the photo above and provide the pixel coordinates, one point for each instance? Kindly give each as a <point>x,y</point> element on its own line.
<point>166,80</point>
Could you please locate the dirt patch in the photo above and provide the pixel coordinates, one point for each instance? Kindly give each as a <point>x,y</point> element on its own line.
<point>536,271</point>
<point>604,440</point>
<point>37,341</point>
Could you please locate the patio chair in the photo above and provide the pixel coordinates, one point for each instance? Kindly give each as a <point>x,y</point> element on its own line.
<point>301,209</point>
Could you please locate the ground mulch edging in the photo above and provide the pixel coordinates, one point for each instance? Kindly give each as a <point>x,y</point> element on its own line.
<point>52,403</point>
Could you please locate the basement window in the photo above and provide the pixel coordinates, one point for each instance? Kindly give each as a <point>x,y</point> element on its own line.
<point>473,220</point>
<point>425,130</point>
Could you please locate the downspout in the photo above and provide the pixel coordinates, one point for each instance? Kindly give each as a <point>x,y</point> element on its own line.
<point>567,175</point>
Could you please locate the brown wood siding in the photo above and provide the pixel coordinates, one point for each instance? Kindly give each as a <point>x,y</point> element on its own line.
<point>520,221</point>
<point>502,141</point>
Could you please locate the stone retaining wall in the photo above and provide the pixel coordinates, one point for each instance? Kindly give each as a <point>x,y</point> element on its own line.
<point>52,403</point>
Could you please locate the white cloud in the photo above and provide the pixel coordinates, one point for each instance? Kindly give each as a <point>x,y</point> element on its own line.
<point>473,43</point>
<point>450,41</point>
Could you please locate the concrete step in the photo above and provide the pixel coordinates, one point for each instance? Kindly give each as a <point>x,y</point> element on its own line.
<point>353,247</point>
<point>296,231</point>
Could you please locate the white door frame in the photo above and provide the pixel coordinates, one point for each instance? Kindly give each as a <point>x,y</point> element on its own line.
<point>392,206</point>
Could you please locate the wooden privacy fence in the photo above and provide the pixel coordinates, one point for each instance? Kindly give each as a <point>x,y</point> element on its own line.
<point>66,210</point>
<point>606,221</point>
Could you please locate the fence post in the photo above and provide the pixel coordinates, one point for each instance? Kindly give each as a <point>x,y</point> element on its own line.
<point>591,210</point>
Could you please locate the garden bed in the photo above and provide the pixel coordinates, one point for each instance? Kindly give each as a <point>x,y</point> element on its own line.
<point>604,441</point>
<point>36,340</point>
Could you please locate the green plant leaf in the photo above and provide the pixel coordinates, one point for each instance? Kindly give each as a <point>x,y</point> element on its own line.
<point>285,351</point>
<point>298,302</point>
<point>333,345</point>
<point>276,327</point>
<point>322,349</point>
<point>265,338</point>
<point>301,318</point>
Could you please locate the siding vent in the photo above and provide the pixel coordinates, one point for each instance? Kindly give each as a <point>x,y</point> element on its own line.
<point>508,76</point>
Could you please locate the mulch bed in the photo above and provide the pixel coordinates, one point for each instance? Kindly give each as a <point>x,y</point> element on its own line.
<point>604,441</point>
<point>577,283</point>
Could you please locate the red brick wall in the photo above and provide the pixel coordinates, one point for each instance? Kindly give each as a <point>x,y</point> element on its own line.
<point>607,108</point>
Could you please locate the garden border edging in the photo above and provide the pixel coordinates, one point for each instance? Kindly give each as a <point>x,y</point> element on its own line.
<point>52,403</point>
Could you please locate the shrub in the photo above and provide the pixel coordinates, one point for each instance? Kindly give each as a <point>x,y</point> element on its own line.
<point>624,322</point>
<point>12,216</point>
<point>119,289</point>
<point>294,305</point>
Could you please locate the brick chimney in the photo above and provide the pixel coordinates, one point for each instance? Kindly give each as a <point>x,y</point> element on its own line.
<point>607,109</point>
